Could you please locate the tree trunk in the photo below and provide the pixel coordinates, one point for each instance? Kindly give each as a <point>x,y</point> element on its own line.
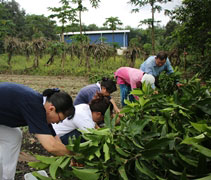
<point>153,31</point>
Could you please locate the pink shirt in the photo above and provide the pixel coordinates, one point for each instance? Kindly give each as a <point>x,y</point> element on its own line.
<point>130,76</point>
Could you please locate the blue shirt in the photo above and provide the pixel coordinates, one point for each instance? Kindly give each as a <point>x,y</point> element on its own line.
<point>149,66</point>
<point>22,106</point>
<point>87,93</point>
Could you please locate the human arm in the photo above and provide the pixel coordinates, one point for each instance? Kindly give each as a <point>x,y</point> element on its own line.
<point>116,109</point>
<point>148,66</point>
<point>169,68</point>
<point>53,144</point>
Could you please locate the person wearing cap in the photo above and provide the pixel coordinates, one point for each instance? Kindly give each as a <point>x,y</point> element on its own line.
<point>87,116</point>
<point>22,106</point>
<point>129,78</point>
<point>154,65</point>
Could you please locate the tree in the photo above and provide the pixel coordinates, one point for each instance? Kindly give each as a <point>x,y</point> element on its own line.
<point>112,22</point>
<point>65,14</point>
<point>194,32</point>
<point>10,25</point>
<point>39,25</point>
<point>151,21</point>
<point>82,8</point>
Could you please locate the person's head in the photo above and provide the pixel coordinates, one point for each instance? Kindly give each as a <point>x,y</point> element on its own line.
<point>148,79</point>
<point>99,106</point>
<point>160,59</point>
<point>108,86</point>
<point>59,105</point>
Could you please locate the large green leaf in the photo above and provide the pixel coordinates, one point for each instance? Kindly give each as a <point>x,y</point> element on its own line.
<point>158,143</point>
<point>86,174</point>
<point>36,174</point>
<point>205,178</point>
<point>45,159</point>
<point>122,172</point>
<point>54,166</point>
<point>201,149</point>
<point>143,169</point>
<point>121,152</point>
<point>65,163</point>
<point>106,152</point>
<point>187,160</point>
<point>201,127</point>
<point>38,165</point>
<point>107,118</point>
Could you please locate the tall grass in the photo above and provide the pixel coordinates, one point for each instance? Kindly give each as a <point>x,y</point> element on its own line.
<point>19,65</point>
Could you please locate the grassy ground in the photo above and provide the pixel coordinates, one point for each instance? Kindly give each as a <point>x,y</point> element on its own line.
<point>19,65</point>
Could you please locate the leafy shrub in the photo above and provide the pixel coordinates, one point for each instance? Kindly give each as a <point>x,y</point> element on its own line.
<point>160,137</point>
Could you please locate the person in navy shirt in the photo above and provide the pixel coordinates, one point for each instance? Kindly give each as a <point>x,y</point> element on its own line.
<point>106,87</point>
<point>22,106</point>
<point>154,65</point>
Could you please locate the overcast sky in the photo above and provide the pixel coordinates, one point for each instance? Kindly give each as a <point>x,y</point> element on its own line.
<point>107,8</point>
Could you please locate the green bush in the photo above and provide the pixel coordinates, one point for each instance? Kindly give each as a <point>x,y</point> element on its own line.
<point>160,137</point>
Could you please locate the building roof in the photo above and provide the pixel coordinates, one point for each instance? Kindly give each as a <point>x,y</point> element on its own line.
<point>98,32</point>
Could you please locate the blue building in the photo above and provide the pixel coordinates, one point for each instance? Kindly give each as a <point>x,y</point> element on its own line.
<point>96,37</point>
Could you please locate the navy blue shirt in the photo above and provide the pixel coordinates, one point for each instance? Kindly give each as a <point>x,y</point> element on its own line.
<point>87,93</point>
<point>22,106</point>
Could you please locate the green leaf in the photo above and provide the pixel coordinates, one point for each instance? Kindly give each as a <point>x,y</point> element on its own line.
<point>45,159</point>
<point>142,101</point>
<point>122,172</point>
<point>143,169</point>
<point>205,151</point>
<point>187,160</point>
<point>38,165</point>
<point>65,163</point>
<point>107,118</point>
<point>121,152</point>
<point>126,109</point>
<point>86,174</point>
<point>158,143</point>
<point>54,166</point>
<point>201,127</point>
<point>106,152</point>
<point>205,178</point>
<point>36,174</point>
<point>97,153</point>
<point>201,149</point>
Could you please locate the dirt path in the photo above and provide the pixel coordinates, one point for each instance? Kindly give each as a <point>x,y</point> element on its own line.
<point>69,84</point>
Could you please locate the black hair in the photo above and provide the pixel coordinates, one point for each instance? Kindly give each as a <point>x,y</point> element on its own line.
<point>100,103</point>
<point>61,100</point>
<point>109,84</point>
<point>162,55</point>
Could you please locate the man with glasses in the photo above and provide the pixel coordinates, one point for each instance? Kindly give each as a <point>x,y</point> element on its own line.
<point>154,65</point>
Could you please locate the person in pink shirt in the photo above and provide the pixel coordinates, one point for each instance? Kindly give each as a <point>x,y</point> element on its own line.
<point>130,78</point>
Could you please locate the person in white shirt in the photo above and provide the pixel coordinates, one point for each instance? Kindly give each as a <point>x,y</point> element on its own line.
<point>86,116</point>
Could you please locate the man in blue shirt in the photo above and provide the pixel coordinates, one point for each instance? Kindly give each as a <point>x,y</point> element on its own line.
<point>154,65</point>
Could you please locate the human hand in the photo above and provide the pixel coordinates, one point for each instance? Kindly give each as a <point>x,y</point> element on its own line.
<point>179,85</point>
<point>155,92</point>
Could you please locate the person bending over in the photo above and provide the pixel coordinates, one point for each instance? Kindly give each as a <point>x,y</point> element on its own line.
<point>86,116</point>
<point>130,78</point>
<point>154,65</point>
<point>22,106</point>
<point>106,87</point>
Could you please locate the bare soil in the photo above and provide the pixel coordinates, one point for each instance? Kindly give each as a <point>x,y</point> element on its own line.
<point>30,145</point>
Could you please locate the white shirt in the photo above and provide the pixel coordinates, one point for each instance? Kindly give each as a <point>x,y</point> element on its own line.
<point>81,120</point>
